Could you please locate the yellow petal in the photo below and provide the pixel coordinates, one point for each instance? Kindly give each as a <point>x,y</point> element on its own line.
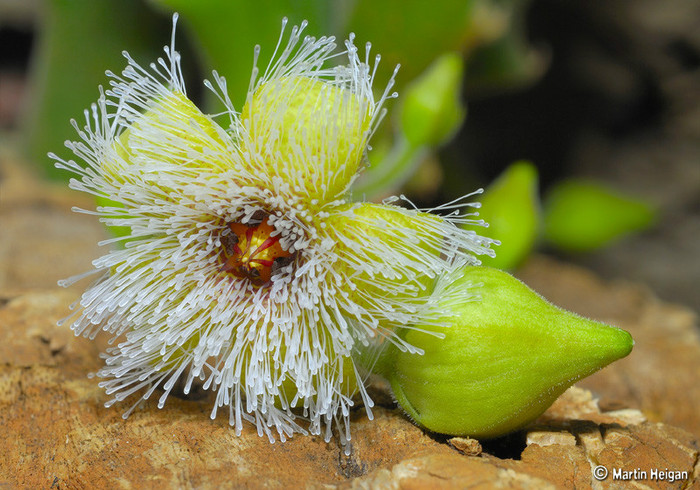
<point>172,135</point>
<point>309,132</point>
<point>390,255</point>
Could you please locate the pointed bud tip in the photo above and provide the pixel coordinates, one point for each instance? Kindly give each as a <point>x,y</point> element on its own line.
<point>618,343</point>
<point>590,345</point>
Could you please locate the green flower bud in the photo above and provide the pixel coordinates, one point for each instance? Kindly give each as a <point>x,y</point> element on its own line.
<point>511,208</point>
<point>432,111</point>
<point>504,359</point>
<point>582,216</point>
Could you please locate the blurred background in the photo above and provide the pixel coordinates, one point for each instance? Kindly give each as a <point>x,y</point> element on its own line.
<point>580,118</point>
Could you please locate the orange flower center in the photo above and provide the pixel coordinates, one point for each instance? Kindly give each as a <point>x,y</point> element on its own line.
<point>252,253</point>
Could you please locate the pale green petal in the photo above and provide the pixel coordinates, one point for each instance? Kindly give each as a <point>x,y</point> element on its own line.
<point>172,134</point>
<point>309,132</point>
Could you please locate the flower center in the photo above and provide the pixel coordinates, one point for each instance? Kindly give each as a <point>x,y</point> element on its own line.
<point>252,253</point>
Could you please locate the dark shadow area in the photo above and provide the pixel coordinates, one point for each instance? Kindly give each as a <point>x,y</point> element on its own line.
<point>510,446</point>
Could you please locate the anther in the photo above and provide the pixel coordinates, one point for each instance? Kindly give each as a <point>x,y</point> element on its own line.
<point>250,252</point>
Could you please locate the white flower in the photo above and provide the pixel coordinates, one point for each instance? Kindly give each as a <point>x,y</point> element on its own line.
<point>245,267</point>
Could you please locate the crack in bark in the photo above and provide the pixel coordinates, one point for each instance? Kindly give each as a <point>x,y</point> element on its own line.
<point>349,466</point>
<point>696,471</point>
<point>438,476</point>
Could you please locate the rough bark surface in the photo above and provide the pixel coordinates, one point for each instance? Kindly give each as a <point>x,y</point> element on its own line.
<point>58,434</point>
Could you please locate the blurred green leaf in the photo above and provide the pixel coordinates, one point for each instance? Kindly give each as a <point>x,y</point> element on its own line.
<point>511,208</point>
<point>228,30</point>
<point>581,216</point>
<point>80,39</point>
<point>505,64</point>
<point>508,61</point>
<point>417,33</point>
<point>413,33</point>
